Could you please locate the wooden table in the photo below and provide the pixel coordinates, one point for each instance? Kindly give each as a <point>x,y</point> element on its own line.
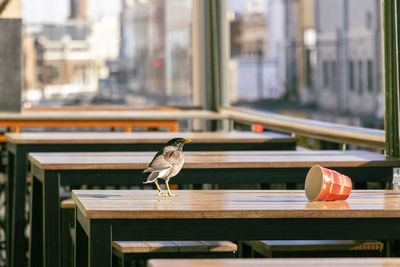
<point>102,118</point>
<point>20,144</point>
<point>293,262</point>
<point>51,170</point>
<point>106,215</point>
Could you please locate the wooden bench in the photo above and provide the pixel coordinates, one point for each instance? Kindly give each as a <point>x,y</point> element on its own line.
<point>126,252</point>
<point>136,251</point>
<point>331,262</point>
<point>310,248</point>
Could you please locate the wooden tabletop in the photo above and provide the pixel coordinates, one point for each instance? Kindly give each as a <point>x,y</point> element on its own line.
<point>145,204</point>
<point>144,137</point>
<point>103,115</point>
<point>295,262</point>
<point>215,159</point>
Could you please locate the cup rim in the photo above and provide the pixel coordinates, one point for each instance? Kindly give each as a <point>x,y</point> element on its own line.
<point>314,182</point>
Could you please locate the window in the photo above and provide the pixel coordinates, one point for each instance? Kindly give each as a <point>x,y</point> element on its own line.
<point>136,52</point>
<point>351,75</point>
<point>334,77</point>
<point>326,75</point>
<point>370,78</point>
<point>290,59</point>
<point>360,77</point>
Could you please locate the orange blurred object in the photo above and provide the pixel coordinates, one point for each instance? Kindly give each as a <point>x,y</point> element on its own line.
<point>258,128</point>
<point>325,184</point>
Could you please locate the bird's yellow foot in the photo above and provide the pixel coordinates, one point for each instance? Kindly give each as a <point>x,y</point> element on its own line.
<point>162,193</point>
<point>165,194</point>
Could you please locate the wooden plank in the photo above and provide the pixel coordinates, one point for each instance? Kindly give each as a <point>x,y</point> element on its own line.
<point>131,246</point>
<point>16,125</point>
<point>145,204</point>
<point>144,137</point>
<point>162,246</point>
<point>103,115</point>
<point>220,246</point>
<point>67,204</point>
<point>295,262</point>
<point>314,245</point>
<point>191,246</point>
<point>316,129</point>
<point>173,246</point>
<point>215,159</point>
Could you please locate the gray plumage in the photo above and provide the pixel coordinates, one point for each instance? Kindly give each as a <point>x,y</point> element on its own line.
<point>166,163</point>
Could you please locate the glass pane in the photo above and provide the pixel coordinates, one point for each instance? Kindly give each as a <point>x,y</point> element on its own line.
<point>317,59</point>
<point>89,52</point>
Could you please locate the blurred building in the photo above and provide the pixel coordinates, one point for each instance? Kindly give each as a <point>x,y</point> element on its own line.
<point>78,9</point>
<point>155,55</point>
<point>30,80</point>
<point>333,57</point>
<point>348,72</point>
<point>64,62</point>
<point>255,66</point>
<point>249,34</point>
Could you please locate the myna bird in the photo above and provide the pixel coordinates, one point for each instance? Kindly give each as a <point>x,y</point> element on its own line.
<point>166,164</point>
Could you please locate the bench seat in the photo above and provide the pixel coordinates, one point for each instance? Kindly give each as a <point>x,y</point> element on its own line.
<point>311,248</point>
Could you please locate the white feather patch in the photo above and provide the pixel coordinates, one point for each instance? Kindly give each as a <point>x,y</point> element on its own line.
<point>163,173</point>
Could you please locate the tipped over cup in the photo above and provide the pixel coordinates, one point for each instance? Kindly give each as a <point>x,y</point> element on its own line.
<point>325,184</point>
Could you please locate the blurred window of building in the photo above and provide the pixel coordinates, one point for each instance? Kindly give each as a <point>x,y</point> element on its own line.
<point>326,74</point>
<point>360,77</point>
<point>321,59</point>
<point>370,77</point>
<point>85,52</point>
<point>351,72</point>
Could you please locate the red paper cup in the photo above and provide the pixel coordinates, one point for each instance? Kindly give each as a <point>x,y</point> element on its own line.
<point>325,184</point>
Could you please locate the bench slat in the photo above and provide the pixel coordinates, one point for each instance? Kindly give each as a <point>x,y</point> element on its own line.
<point>315,245</point>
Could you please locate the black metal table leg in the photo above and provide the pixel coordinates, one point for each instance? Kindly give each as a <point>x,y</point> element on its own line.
<point>17,209</point>
<point>93,242</point>
<point>100,244</point>
<point>36,221</point>
<point>51,219</point>
<point>9,200</point>
<point>81,243</point>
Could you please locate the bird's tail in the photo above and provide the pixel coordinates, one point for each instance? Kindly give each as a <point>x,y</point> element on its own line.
<point>151,177</point>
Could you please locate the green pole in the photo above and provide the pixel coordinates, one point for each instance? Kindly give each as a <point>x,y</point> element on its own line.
<point>390,35</point>
<point>214,51</point>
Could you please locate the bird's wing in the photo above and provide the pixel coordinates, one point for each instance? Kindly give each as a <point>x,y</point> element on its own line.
<point>174,156</point>
<point>158,163</point>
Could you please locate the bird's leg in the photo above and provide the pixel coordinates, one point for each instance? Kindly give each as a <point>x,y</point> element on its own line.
<point>160,192</point>
<point>169,192</point>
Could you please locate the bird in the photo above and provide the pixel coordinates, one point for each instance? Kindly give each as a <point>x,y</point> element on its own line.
<point>166,164</point>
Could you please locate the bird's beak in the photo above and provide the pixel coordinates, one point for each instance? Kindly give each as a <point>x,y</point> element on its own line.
<point>187,141</point>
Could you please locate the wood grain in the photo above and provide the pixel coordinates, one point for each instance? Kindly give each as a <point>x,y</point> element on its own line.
<point>295,262</point>
<point>144,137</point>
<point>104,115</point>
<point>119,204</point>
<point>314,245</point>
<point>215,159</point>
<point>173,246</point>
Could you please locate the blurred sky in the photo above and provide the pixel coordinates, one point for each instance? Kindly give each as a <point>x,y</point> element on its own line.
<point>54,11</point>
